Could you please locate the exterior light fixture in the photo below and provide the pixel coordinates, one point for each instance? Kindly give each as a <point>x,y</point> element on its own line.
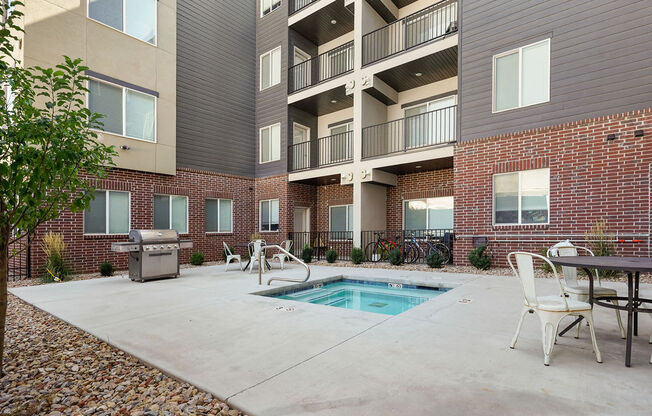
<point>333,22</point>
<point>418,74</point>
<point>333,101</point>
<point>418,166</point>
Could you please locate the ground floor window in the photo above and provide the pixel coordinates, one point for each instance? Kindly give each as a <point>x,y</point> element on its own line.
<point>269,215</point>
<point>522,197</point>
<point>108,213</point>
<point>171,212</point>
<point>428,214</point>
<point>219,216</point>
<point>341,222</point>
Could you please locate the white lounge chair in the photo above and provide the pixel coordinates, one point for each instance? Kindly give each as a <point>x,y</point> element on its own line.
<point>580,290</point>
<point>230,256</point>
<point>282,257</point>
<point>256,247</point>
<point>549,309</point>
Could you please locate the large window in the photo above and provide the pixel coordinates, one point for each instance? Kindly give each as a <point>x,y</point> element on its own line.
<point>270,143</point>
<point>133,17</point>
<point>522,197</point>
<point>428,214</point>
<point>126,112</point>
<point>108,213</point>
<point>171,212</point>
<point>522,76</point>
<point>270,68</point>
<point>219,216</point>
<point>269,215</point>
<point>267,6</point>
<point>341,222</point>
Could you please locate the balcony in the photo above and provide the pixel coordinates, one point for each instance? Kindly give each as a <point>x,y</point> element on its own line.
<point>323,67</point>
<point>320,22</point>
<point>296,5</point>
<point>318,153</point>
<point>414,132</point>
<point>433,22</point>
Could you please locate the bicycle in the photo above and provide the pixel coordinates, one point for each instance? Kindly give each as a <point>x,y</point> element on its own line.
<point>379,249</point>
<point>413,250</point>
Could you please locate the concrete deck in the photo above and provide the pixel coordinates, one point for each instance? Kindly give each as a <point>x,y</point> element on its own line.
<point>441,357</point>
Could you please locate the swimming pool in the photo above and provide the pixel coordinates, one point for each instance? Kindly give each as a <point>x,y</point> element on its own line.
<point>364,295</point>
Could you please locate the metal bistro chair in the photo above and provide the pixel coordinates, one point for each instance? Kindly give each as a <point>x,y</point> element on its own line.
<point>282,257</point>
<point>549,309</point>
<point>580,290</point>
<point>256,247</point>
<point>230,256</point>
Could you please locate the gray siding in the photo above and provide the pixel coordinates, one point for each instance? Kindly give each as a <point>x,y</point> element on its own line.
<point>600,59</point>
<point>215,78</point>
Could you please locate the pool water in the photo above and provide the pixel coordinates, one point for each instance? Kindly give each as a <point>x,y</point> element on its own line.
<point>361,295</point>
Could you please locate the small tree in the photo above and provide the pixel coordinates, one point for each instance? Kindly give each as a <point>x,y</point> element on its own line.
<point>46,144</point>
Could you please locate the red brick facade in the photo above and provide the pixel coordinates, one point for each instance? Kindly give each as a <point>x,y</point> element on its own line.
<point>329,195</point>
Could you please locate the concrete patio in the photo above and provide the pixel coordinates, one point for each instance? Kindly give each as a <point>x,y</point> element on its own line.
<point>269,356</point>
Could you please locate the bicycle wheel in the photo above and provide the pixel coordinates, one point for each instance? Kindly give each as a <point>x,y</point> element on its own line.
<point>442,250</point>
<point>373,252</point>
<point>410,253</point>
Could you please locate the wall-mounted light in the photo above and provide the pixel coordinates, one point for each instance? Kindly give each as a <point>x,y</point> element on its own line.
<point>611,136</point>
<point>639,133</point>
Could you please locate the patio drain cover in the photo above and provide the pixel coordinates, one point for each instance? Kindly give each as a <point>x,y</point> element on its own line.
<point>378,304</point>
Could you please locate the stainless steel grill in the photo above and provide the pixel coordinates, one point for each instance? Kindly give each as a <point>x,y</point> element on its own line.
<point>153,254</point>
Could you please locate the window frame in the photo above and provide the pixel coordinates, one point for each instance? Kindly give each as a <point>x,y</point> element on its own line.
<point>271,9</point>
<point>107,219</point>
<point>330,222</point>
<point>170,211</point>
<point>260,60</point>
<point>260,145</point>
<point>260,215</point>
<point>427,215</point>
<point>218,216</point>
<point>518,50</point>
<point>493,199</point>
<point>124,110</point>
<point>124,21</point>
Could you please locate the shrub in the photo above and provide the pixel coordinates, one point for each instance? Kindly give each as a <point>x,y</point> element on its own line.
<point>602,243</point>
<point>395,257</point>
<point>56,269</point>
<point>435,260</point>
<point>106,269</point>
<point>306,253</point>
<point>331,256</point>
<point>357,255</point>
<point>479,258</point>
<point>197,259</point>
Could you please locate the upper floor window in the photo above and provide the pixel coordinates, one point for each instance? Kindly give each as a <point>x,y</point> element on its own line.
<point>219,216</point>
<point>341,222</point>
<point>171,212</point>
<point>268,6</point>
<point>108,213</point>
<point>522,197</point>
<point>522,76</point>
<point>126,112</point>
<point>270,68</point>
<point>269,215</point>
<point>270,143</point>
<point>428,214</point>
<point>136,18</point>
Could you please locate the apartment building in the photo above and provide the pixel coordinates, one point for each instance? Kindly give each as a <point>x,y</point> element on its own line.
<point>512,124</point>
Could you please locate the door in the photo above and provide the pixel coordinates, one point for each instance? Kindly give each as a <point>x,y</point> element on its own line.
<point>301,147</point>
<point>340,143</point>
<point>301,69</point>
<point>430,123</point>
<point>301,233</point>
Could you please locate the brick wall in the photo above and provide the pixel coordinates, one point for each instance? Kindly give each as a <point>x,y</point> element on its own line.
<point>591,179</point>
<point>329,195</point>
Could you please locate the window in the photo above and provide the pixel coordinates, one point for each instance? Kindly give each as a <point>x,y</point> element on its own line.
<point>522,197</point>
<point>268,6</point>
<point>108,213</point>
<point>429,123</point>
<point>171,212</point>
<point>428,214</point>
<point>341,222</point>
<point>270,143</point>
<point>126,112</point>
<point>270,68</point>
<point>136,18</point>
<point>522,76</point>
<point>219,216</point>
<point>269,215</point>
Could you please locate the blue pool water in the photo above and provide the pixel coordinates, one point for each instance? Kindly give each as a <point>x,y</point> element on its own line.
<point>365,296</point>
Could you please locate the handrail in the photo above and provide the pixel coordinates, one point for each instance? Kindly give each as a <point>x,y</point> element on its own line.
<point>294,8</point>
<point>328,150</point>
<point>325,66</point>
<point>285,279</point>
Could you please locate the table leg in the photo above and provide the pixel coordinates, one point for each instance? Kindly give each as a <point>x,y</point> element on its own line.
<point>569,327</point>
<point>636,304</point>
<point>579,319</point>
<point>630,303</point>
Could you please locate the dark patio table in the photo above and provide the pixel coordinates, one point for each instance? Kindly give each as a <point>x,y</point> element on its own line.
<point>269,266</point>
<point>633,266</point>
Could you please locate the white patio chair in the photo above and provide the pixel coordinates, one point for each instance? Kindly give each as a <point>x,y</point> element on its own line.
<point>230,256</point>
<point>580,290</point>
<point>282,257</point>
<point>256,247</point>
<point>549,309</point>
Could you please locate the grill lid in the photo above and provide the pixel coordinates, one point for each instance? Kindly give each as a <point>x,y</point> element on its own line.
<point>153,236</point>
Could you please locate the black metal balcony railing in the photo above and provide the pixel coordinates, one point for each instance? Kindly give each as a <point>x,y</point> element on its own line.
<point>296,5</point>
<point>420,27</point>
<point>427,129</point>
<point>327,65</point>
<point>325,151</point>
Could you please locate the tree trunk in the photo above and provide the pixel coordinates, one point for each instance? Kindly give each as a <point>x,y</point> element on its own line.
<point>4,276</point>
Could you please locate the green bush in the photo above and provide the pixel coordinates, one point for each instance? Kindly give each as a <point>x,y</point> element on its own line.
<point>357,255</point>
<point>56,269</point>
<point>395,257</point>
<point>197,259</point>
<point>479,258</point>
<point>435,260</point>
<point>106,269</point>
<point>306,253</point>
<point>331,256</point>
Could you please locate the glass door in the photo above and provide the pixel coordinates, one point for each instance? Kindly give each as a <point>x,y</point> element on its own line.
<point>340,143</point>
<point>301,69</point>
<point>430,123</point>
<point>301,147</point>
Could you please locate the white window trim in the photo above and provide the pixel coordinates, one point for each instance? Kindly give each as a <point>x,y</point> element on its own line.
<point>270,69</point>
<point>124,111</point>
<point>493,199</point>
<point>520,69</point>
<point>260,146</point>
<point>106,213</point>
<point>330,221</point>
<point>260,216</point>
<point>427,216</point>
<point>348,124</point>
<point>301,126</point>
<point>427,103</point>
<point>170,211</point>
<point>260,3</point>
<point>218,216</point>
<point>124,21</point>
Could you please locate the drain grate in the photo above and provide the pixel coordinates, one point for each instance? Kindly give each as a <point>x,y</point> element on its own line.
<point>378,304</point>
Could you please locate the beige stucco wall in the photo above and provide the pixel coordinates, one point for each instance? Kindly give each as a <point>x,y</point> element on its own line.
<point>54,28</point>
<point>330,118</point>
<point>415,94</point>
